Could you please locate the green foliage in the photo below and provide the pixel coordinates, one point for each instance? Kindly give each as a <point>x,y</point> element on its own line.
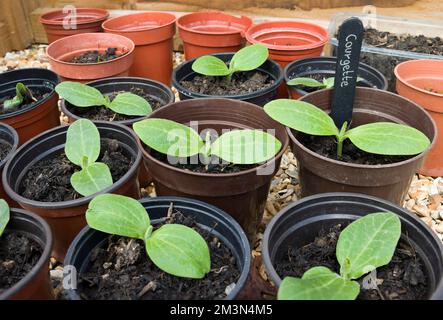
<point>312,83</point>
<point>22,94</point>
<point>4,215</point>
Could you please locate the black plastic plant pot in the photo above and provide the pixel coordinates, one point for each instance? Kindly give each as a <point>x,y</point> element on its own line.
<point>38,116</point>
<point>210,218</point>
<point>36,284</point>
<point>8,136</point>
<point>184,72</point>
<point>299,223</point>
<point>324,67</point>
<point>156,91</point>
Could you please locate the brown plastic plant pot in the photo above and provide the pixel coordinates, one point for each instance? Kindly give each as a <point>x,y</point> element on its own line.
<point>36,117</point>
<point>63,23</point>
<point>319,174</point>
<point>288,41</point>
<point>211,32</point>
<point>8,135</point>
<point>36,284</point>
<point>415,78</point>
<point>152,33</point>
<point>67,218</point>
<point>242,194</point>
<point>62,51</point>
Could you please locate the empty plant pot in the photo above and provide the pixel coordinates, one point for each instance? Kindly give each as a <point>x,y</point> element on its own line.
<point>212,32</point>
<point>25,234</point>
<point>62,52</point>
<point>319,174</point>
<point>288,41</point>
<point>8,146</point>
<point>67,217</point>
<point>422,82</point>
<point>152,33</point>
<point>320,68</point>
<point>209,218</point>
<point>63,23</point>
<point>31,119</point>
<point>241,194</point>
<point>301,222</point>
<point>259,97</point>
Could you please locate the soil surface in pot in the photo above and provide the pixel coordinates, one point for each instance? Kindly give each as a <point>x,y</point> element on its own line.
<point>319,77</point>
<point>38,93</point>
<point>404,278</point>
<point>106,114</point>
<point>95,56</point>
<point>327,147</point>
<point>241,83</point>
<point>121,269</point>
<point>49,180</point>
<point>18,255</point>
<point>5,148</point>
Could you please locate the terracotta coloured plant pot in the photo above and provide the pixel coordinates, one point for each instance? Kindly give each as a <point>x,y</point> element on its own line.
<point>413,77</point>
<point>67,218</point>
<point>64,50</point>
<point>242,194</point>
<point>288,41</point>
<point>86,20</point>
<point>10,136</point>
<point>152,33</point>
<point>39,116</point>
<point>212,32</point>
<point>319,174</point>
<point>36,285</point>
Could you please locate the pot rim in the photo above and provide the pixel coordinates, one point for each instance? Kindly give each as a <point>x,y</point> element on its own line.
<point>366,166</point>
<point>14,146</point>
<point>141,29</point>
<point>44,19</point>
<point>76,202</point>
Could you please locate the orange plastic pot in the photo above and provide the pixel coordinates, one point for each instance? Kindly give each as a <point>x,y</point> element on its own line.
<point>57,23</point>
<point>64,50</point>
<point>415,78</point>
<point>152,33</point>
<point>212,32</point>
<point>288,41</point>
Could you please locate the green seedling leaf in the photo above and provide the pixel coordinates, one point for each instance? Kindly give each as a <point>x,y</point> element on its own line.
<point>210,66</point>
<point>119,215</point>
<point>130,104</point>
<point>306,82</point>
<point>4,215</point>
<point>249,58</point>
<point>82,143</point>
<point>329,82</point>
<point>169,137</point>
<point>318,283</point>
<point>180,251</point>
<point>245,146</point>
<point>21,94</point>
<point>301,116</point>
<point>388,138</point>
<point>92,179</point>
<point>80,95</point>
<point>367,243</point>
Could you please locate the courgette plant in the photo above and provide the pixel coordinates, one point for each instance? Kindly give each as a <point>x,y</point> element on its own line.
<point>364,245</point>
<point>238,147</point>
<point>384,138</point>
<point>326,83</point>
<point>22,94</point>
<point>174,248</point>
<point>84,96</point>
<point>246,59</point>
<point>4,215</point>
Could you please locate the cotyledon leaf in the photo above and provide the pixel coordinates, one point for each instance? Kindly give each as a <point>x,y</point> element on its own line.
<point>130,104</point>
<point>82,142</point>
<point>92,179</point>
<point>4,215</point>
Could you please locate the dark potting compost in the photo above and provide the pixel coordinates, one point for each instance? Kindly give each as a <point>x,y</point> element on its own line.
<point>49,179</point>
<point>95,56</point>
<point>122,270</point>
<point>39,94</point>
<point>404,278</point>
<point>18,255</point>
<point>5,148</point>
<point>106,114</point>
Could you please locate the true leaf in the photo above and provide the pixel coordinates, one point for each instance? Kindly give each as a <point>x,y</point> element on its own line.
<point>306,82</point>
<point>210,66</point>
<point>119,215</point>
<point>367,243</point>
<point>130,104</point>
<point>388,138</point>
<point>92,179</point>
<point>180,251</point>
<point>318,283</point>
<point>4,215</point>
<point>249,58</point>
<point>301,116</point>
<point>169,137</point>
<point>80,95</point>
<point>246,146</point>
<point>82,140</point>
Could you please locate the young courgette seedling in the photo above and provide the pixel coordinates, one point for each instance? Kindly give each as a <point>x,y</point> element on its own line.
<point>384,138</point>
<point>174,248</point>
<point>364,245</point>
<point>326,83</point>
<point>22,94</point>
<point>84,96</point>
<point>4,215</point>
<point>246,59</point>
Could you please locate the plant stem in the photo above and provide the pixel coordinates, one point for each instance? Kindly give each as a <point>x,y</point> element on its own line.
<point>229,77</point>
<point>340,138</point>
